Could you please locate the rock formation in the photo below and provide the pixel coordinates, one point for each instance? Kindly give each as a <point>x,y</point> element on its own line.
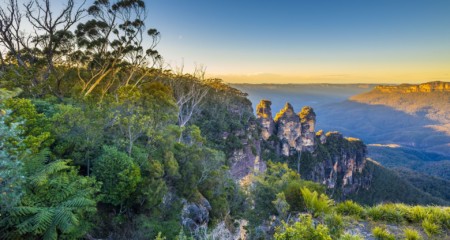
<point>195,216</point>
<point>264,116</point>
<point>329,158</point>
<point>308,123</point>
<point>295,132</point>
<point>288,130</point>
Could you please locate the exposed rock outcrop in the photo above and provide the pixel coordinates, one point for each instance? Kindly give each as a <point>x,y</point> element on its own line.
<point>343,160</point>
<point>247,160</point>
<point>288,130</point>
<point>264,116</point>
<point>295,132</point>
<point>308,123</point>
<point>195,216</point>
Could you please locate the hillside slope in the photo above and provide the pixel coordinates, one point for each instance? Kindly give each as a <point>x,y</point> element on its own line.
<point>387,186</point>
<point>432,164</point>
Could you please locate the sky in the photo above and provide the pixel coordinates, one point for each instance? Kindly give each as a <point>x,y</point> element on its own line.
<point>346,41</point>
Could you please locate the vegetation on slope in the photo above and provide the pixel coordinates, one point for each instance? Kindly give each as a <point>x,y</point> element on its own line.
<point>305,212</point>
<point>387,186</point>
<point>428,163</point>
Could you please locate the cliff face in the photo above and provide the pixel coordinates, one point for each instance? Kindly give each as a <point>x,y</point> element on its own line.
<point>411,88</point>
<point>345,159</point>
<point>329,158</point>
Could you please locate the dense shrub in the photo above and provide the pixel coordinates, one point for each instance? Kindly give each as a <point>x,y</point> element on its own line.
<point>430,227</point>
<point>315,203</point>
<point>118,173</point>
<point>335,224</point>
<point>385,212</point>
<point>381,233</point>
<point>411,234</point>
<point>348,236</point>
<point>304,229</point>
<point>349,208</point>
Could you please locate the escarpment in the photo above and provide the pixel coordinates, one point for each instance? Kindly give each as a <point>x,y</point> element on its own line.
<point>436,86</point>
<point>330,158</point>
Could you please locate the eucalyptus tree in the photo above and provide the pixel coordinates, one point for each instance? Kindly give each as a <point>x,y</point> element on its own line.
<point>111,46</point>
<point>38,49</point>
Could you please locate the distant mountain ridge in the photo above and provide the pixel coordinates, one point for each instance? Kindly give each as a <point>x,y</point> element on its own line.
<point>430,100</point>
<point>436,86</point>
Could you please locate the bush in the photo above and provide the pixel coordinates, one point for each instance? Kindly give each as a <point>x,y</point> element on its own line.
<point>385,212</point>
<point>439,216</point>
<point>382,234</point>
<point>416,214</point>
<point>430,227</point>
<point>118,173</point>
<point>315,203</point>
<point>335,225</point>
<point>348,236</point>
<point>411,234</point>
<point>304,229</point>
<point>350,208</point>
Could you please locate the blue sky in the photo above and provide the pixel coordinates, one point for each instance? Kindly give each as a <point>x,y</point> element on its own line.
<point>307,41</point>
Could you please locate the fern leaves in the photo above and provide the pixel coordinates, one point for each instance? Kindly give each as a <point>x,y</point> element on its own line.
<point>55,202</point>
<point>315,203</point>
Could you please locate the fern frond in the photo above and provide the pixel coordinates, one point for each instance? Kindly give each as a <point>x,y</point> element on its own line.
<point>42,176</point>
<point>78,202</point>
<point>50,234</point>
<point>35,162</point>
<point>65,220</point>
<point>38,223</point>
<point>24,211</point>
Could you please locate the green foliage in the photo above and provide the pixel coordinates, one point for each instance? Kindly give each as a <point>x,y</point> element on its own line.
<point>348,236</point>
<point>11,177</point>
<point>316,204</point>
<point>304,229</point>
<point>381,233</point>
<point>335,224</point>
<point>182,236</point>
<point>386,212</point>
<point>118,174</point>
<point>159,237</point>
<point>142,112</point>
<point>7,93</point>
<point>281,205</point>
<point>416,214</point>
<point>265,188</point>
<point>79,133</point>
<point>56,202</point>
<point>35,128</point>
<point>430,227</point>
<point>386,185</point>
<point>350,208</point>
<point>166,224</point>
<point>294,195</point>
<point>411,234</point>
